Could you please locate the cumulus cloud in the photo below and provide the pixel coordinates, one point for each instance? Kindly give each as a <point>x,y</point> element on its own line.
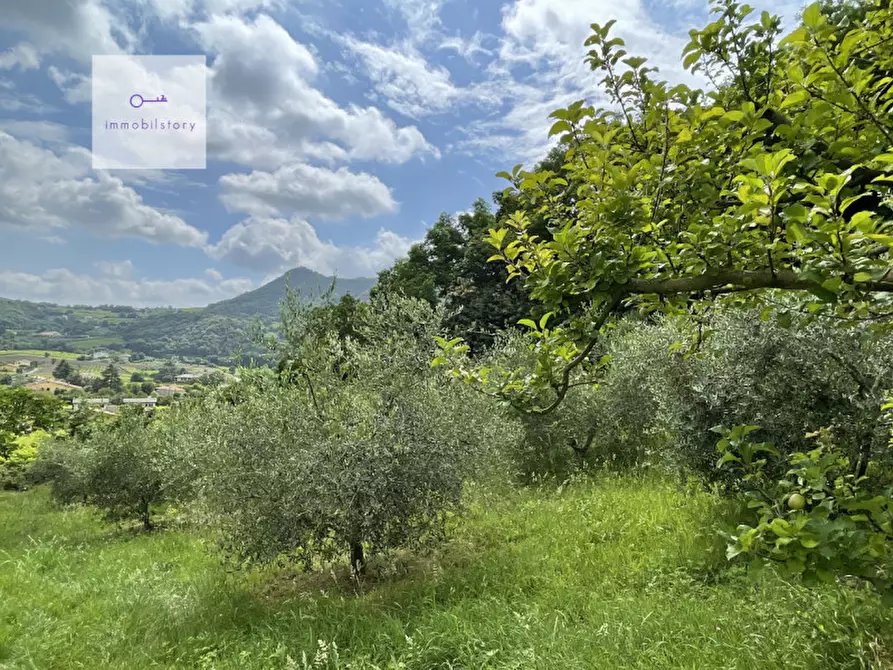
<point>75,28</point>
<point>307,191</point>
<point>66,287</point>
<point>275,244</point>
<point>261,89</point>
<point>43,189</point>
<point>40,131</point>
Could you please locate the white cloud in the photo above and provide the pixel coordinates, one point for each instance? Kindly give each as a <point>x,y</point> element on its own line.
<point>120,269</point>
<point>467,48</point>
<point>274,244</point>
<point>42,131</point>
<point>66,287</point>
<point>261,91</point>
<point>75,87</point>
<point>75,28</point>
<point>211,273</point>
<point>422,17</point>
<point>307,191</point>
<point>541,68</point>
<point>182,9</point>
<point>43,189</point>
<point>409,83</point>
<point>23,56</point>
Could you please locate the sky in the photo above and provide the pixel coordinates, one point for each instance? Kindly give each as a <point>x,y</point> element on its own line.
<point>337,132</point>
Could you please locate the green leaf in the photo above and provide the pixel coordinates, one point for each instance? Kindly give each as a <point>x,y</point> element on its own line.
<point>812,15</point>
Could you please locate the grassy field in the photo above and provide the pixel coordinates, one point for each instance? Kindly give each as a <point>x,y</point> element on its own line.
<point>618,574</point>
<point>36,353</point>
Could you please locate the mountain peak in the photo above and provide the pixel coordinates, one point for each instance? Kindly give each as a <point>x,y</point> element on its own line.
<point>264,301</point>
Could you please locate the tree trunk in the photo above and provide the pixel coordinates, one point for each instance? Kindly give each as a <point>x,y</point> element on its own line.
<point>146,516</point>
<point>357,559</point>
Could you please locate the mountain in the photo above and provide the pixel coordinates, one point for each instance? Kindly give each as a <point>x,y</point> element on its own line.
<point>264,301</point>
<point>214,332</point>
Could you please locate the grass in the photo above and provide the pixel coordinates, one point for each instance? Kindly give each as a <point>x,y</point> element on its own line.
<point>37,353</point>
<point>620,573</point>
<point>89,343</point>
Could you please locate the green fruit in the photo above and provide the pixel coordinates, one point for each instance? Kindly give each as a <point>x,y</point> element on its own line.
<point>796,501</point>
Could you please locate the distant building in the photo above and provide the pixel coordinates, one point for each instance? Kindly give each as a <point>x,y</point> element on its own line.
<point>97,355</point>
<point>187,378</point>
<point>52,385</point>
<point>141,402</point>
<point>169,390</point>
<point>50,333</point>
<point>77,402</point>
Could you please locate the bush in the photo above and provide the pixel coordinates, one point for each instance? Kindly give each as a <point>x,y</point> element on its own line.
<point>119,468</point>
<point>350,450</point>
<point>819,521</point>
<point>610,424</point>
<point>16,466</point>
<point>661,393</point>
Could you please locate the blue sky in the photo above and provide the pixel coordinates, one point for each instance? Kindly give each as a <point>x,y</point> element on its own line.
<point>337,132</point>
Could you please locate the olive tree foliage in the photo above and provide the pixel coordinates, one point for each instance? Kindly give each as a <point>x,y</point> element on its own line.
<point>775,181</point>
<point>352,447</point>
<point>121,468</point>
<point>670,381</point>
<point>790,381</point>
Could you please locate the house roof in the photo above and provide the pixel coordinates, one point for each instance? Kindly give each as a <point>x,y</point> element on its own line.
<point>139,401</point>
<point>171,388</point>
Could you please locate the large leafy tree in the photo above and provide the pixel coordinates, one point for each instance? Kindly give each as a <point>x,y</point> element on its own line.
<point>450,266</point>
<point>777,180</point>
<point>22,412</point>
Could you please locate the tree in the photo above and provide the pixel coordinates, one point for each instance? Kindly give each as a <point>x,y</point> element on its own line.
<point>63,370</point>
<point>350,449</point>
<point>118,467</point>
<point>137,377</point>
<point>169,370</point>
<point>22,412</point>
<point>111,379</point>
<point>776,181</point>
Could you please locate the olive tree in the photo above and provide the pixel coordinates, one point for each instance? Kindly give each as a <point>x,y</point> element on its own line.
<point>354,446</point>
<point>118,468</point>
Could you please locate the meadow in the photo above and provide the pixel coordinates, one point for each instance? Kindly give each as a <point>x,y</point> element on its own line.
<point>612,573</point>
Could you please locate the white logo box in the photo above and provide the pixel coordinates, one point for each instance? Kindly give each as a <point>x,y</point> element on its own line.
<point>149,112</point>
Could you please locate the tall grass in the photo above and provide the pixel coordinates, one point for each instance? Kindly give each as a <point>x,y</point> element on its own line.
<point>619,573</point>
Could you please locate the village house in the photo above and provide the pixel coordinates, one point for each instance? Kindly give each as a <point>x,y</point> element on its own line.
<point>146,403</point>
<point>169,390</point>
<point>187,378</point>
<point>92,402</point>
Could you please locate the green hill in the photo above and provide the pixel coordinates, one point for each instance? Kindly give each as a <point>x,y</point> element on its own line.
<point>264,301</point>
<point>213,332</point>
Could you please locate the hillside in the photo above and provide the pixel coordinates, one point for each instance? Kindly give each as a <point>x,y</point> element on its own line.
<point>264,301</point>
<point>213,332</point>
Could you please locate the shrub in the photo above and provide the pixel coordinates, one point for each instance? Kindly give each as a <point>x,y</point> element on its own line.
<point>119,468</point>
<point>662,391</point>
<point>350,450</point>
<point>819,521</point>
<point>15,467</point>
